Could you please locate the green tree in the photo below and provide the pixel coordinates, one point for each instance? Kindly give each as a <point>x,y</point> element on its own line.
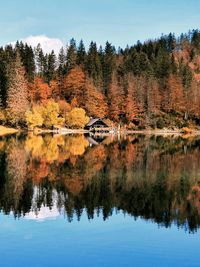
<point>39,57</point>
<point>71,55</point>
<point>81,54</point>
<point>108,66</point>
<point>51,67</point>
<point>7,57</point>
<point>93,64</point>
<point>61,63</point>
<point>27,57</point>
<point>196,39</point>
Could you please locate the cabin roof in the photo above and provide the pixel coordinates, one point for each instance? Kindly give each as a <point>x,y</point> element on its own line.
<point>92,121</point>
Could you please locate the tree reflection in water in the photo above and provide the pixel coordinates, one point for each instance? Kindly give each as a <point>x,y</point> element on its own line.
<point>156,178</point>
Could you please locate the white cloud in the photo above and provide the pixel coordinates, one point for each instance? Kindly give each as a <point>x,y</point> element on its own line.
<point>47,44</point>
<point>43,214</point>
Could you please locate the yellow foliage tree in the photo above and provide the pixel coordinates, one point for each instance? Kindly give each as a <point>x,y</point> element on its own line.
<point>50,114</point>
<point>34,117</point>
<point>77,118</point>
<point>47,115</point>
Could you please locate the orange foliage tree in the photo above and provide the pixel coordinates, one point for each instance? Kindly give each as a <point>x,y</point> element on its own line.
<point>131,107</point>
<point>39,91</point>
<point>81,92</point>
<point>55,89</point>
<point>116,100</point>
<point>74,85</point>
<point>95,103</point>
<point>153,96</point>
<point>64,108</point>
<point>175,94</point>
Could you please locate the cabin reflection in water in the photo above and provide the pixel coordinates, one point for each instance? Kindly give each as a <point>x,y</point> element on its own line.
<point>95,139</point>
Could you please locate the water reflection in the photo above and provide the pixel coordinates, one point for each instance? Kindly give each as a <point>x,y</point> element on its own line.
<point>156,178</point>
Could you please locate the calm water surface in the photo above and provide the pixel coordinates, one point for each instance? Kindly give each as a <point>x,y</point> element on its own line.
<point>82,201</point>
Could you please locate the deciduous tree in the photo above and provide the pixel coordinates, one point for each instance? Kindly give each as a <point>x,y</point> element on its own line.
<point>17,98</point>
<point>77,118</point>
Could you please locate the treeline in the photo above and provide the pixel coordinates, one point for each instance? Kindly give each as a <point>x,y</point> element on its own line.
<point>150,84</point>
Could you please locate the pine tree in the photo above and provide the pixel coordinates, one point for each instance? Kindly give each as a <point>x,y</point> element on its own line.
<point>196,39</point>
<point>108,66</point>
<point>44,73</point>
<point>61,63</point>
<point>186,75</point>
<point>27,57</point>
<point>71,56</point>
<point>93,64</point>
<point>17,96</point>
<point>7,56</point>
<point>162,65</point>
<point>39,57</point>
<point>29,63</point>
<point>81,54</point>
<point>171,42</point>
<point>51,67</point>
<point>3,78</point>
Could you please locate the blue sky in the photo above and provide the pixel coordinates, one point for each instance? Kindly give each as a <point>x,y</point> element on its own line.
<point>119,21</point>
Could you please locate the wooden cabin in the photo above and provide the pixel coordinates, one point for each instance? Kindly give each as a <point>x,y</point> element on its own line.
<point>97,125</point>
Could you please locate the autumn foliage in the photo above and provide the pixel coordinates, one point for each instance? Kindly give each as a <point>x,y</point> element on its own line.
<point>17,98</point>
<point>40,91</point>
<point>77,118</point>
<point>47,115</point>
<point>150,84</point>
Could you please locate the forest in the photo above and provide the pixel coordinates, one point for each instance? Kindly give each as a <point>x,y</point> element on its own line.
<point>154,84</point>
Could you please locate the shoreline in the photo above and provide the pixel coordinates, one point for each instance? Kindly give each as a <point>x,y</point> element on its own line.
<point>177,132</point>
<point>64,131</point>
<point>166,132</point>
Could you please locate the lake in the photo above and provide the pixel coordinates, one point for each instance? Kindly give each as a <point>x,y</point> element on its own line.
<point>99,201</point>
